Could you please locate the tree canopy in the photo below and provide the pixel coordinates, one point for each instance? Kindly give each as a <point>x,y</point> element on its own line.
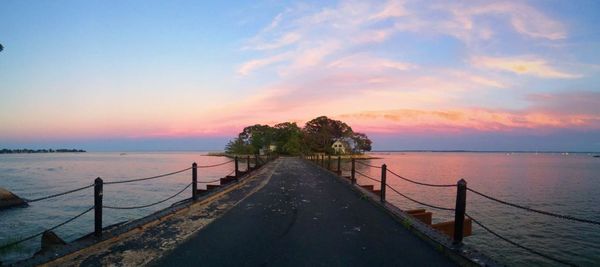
<point>317,136</point>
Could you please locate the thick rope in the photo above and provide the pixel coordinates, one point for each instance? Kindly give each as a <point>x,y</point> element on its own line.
<point>368,165</point>
<point>419,183</point>
<point>214,165</point>
<point>148,178</point>
<point>565,217</point>
<point>148,205</point>
<point>51,229</point>
<point>519,245</point>
<point>59,194</point>
<point>364,175</point>
<point>418,202</point>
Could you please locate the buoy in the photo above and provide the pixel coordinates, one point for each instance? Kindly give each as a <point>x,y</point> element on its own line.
<point>9,200</point>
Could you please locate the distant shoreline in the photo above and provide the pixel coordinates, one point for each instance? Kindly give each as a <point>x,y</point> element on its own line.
<point>35,151</point>
<point>487,151</point>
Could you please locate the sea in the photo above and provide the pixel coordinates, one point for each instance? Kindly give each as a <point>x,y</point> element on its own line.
<point>562,183</point>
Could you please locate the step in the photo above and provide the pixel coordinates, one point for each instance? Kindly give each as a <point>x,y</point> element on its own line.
<point>227,180</point>
<point>424,217</point>
<point>212,186</point>
<point>376,192</point>
<point>368,187</point>
<point>447,228</point>
<point>415,211</point>
<point>201,191</point>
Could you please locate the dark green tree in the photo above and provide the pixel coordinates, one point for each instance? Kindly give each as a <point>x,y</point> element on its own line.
<point>362,143</point>
<point>321,132</point>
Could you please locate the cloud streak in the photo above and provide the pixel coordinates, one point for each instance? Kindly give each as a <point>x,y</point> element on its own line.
<point>522,65</point>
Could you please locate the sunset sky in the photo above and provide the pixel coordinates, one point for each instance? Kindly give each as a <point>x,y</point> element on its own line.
<point>172,75</point>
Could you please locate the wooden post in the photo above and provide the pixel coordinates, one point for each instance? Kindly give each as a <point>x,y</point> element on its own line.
<point>194,181</point>
<point>459,214</point>
<point>98,184</point>
<point>248,163</point>
<point>352,175</point>
<point>339,167</point>
<point>383,182</point>
<point>328,162</point>
<point>237,171</point>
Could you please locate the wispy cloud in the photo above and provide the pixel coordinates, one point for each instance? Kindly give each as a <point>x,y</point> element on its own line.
<point>522,65</point>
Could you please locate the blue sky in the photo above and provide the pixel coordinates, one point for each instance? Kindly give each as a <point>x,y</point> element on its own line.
<point>128,75</point>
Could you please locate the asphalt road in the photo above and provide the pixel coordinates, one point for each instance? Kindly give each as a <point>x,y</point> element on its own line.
<point>304,217</point>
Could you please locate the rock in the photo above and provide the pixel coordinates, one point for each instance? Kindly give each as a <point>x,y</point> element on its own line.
<point>50,241</point>
<point>9,200</point>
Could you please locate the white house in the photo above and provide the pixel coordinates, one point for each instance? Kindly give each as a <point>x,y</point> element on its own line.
<point>340,147</point>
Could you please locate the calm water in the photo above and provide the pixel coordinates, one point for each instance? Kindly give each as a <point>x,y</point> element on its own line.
<point>35,175</point>
<point>566,184</point>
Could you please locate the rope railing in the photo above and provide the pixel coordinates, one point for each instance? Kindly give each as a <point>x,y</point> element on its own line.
<point>41,233</point>
<point>151,204</point>
<point>59,194</point>
<point>519,245</point>
<point>420,183</point>
<point>560,216</point>
<point>459,211</point>
<point>148,178</point>
<point>368,165</point>
<point>419,202</point>
<point>214,165</point>
<point>367,176</point>
<point>98,194</point>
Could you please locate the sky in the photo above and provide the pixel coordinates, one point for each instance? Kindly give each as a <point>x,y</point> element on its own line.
<point>189,75</point>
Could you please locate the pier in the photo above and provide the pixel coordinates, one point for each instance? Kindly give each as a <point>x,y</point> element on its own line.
<point>279,211</point>
<point>304,216</point>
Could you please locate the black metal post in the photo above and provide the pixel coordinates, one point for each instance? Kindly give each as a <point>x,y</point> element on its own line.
<point>339,167</point>
<point>459,215</point>
<point>237,170</point>
<point>328,162</point>
<point>248,163</point>
<point>194,180</point>
<point>383,182</point>
<point>352,175</point>
<point>98,184</point>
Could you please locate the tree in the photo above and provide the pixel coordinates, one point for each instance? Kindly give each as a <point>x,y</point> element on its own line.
<point>288,138</point>
<point>317,136</point>
<point>257,136</point>
<point>237,146</point>
<point>361,142</point>
<point>322,132</point>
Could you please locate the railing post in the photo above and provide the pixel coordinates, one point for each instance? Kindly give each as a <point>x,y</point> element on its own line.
<point>98,184</point>
<point>352,175</point>
<point>328,162</point>
<point>459,214</point>
<point>256,164</point>
<point>248,163</point>
<point>322,160</point>
<point>237,171</point>
<point>383,182</point>
<point>194,180</point>
<point>339,167</point>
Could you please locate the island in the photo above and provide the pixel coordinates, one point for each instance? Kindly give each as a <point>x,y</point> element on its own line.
<point>321,135</point>
<point>29,151</point>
